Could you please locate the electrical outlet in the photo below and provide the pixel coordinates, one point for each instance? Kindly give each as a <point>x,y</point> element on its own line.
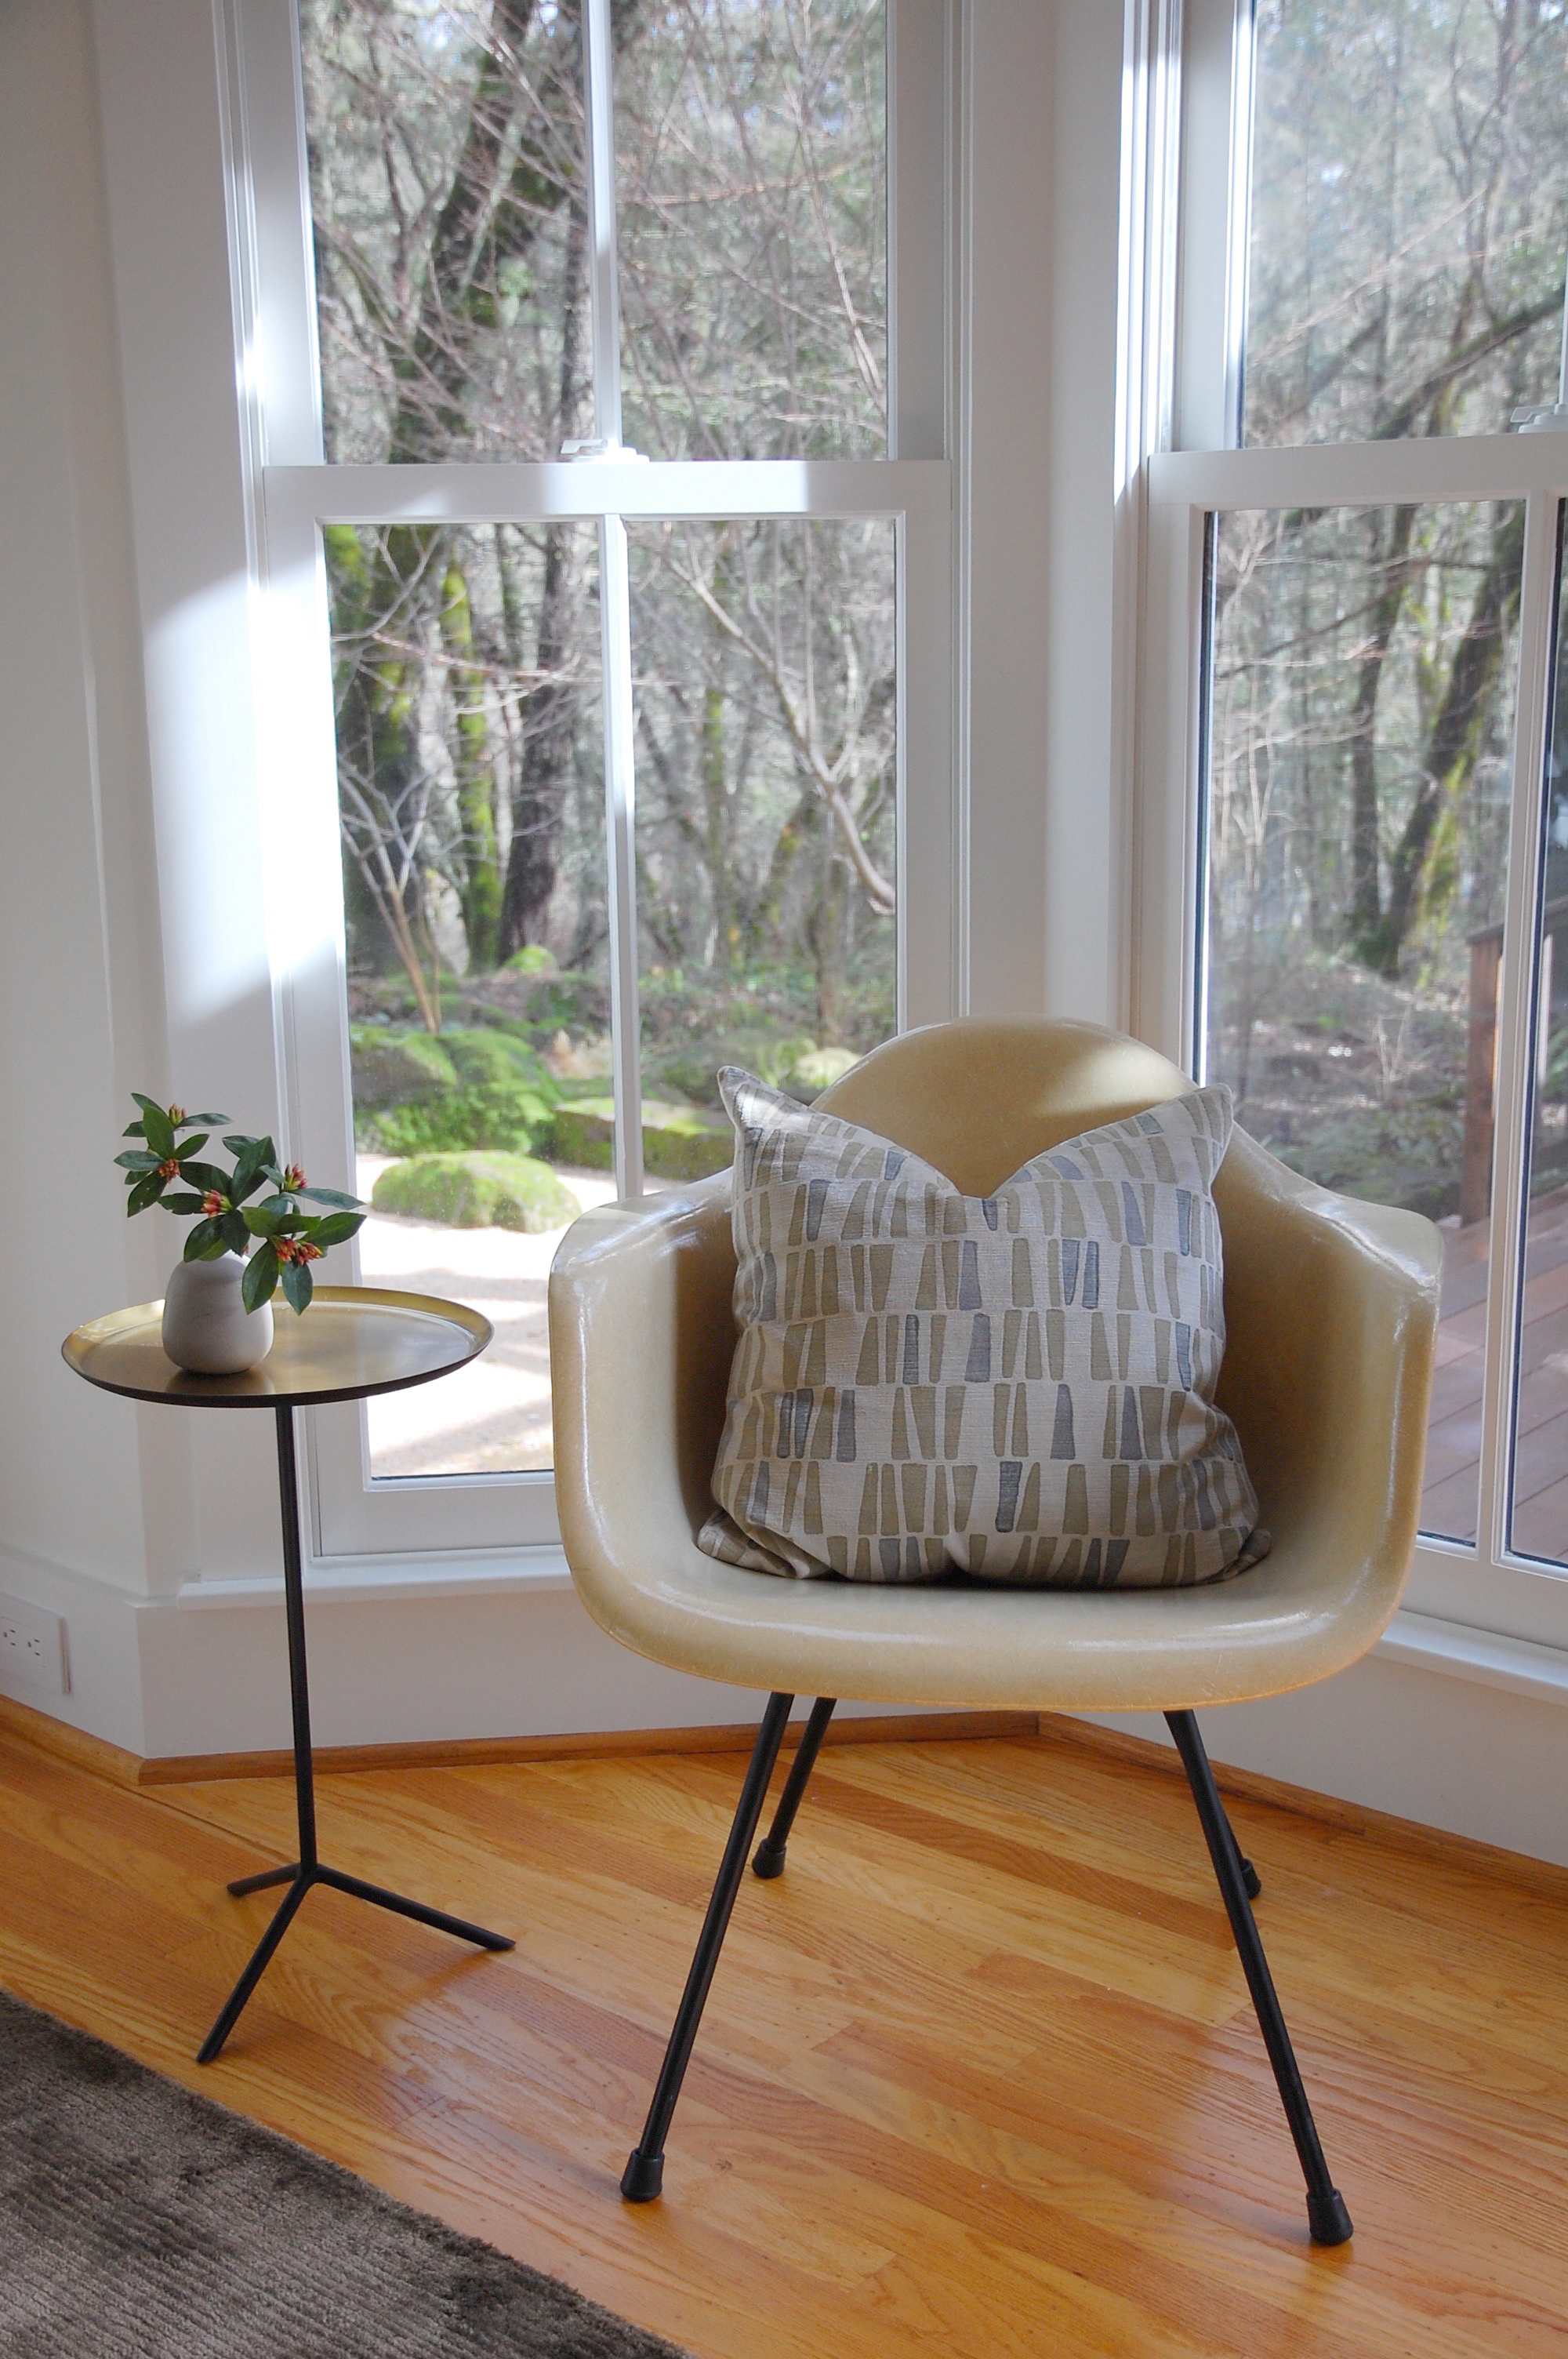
<point>32,1647</point>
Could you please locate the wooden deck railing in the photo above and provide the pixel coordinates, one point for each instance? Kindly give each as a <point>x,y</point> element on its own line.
<point>1481,1052</point>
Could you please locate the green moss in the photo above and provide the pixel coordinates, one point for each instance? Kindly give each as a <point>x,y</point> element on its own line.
<point>397,1068</point>
<point>511,1116</point>
<point>822,1068</point>
<point>476,1191</point>
<point>490,1059</point>
<point>678,1141</point>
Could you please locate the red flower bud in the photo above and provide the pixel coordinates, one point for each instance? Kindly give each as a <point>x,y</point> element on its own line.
<point>169,1170</point>
<point>212,1203</point>
<point>296,1249</point>
<point>176,1115</point>
<point>293,1179</point>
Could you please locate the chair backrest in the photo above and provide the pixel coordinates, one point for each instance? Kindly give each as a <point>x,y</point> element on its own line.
<point>978,1098</point>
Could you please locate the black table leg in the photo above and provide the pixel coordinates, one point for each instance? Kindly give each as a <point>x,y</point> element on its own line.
<point>308,1869</point>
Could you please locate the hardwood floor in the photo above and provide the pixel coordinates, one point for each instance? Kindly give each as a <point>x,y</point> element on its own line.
<point>979,2075</point>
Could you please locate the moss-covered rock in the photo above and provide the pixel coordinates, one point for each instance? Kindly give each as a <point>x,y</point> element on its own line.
<point>489,1060</point>
<point>476,1191</point>
<point>393,1067</point>
<point>678,1141</point>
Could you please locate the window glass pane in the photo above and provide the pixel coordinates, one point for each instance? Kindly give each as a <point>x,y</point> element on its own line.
<point>445,145</point>
<point>751,139</point>
<point>467,676</point>
<point>764,655</point>
<point>1539,1521</point>
<point>1360,727</point>
<point>1409,216</point>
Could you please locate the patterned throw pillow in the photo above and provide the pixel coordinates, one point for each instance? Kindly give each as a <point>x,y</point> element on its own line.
<point>1018,1386</point>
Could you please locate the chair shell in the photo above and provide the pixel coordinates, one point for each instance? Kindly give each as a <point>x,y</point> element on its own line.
<point>1330,1311</point>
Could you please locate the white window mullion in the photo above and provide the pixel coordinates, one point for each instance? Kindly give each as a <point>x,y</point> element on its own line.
<point>604,290</point>
<point>620,812</point>
<point>1516,996</point>
<point>614,608</point>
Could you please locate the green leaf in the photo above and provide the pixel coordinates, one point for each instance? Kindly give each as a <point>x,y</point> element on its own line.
<point>248,1173</point>
<point>233,1231</point>
<point>192,1146</point>
<point>260,1279</point>
<point>159,1132</point>
<point>331,1196</point>
<point>260,1224</point>
<point>297,1284</point>
<point>146,1191</point>
<point>135,1130</point>
<point>334,1229</point>
<point>137,1160</point>
<point>212,1120</point>
<point>205,1176</point>
<point>148,1105</point>
<point>185,1204</point>
<point>205,1242</point>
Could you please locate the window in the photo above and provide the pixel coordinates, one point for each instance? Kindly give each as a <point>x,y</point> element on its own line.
<point>1349,800</point>
<point>627,745</point>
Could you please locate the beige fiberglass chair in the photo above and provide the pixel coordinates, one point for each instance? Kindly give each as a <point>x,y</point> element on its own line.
<point>1331,1309</point>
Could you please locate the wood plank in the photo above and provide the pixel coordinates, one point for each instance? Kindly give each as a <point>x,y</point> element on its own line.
<point>979,2078</point>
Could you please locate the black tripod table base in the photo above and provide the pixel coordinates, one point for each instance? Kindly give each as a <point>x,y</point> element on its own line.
<point>300,1881</point>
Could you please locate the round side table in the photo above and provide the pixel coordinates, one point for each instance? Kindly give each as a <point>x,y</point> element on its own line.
<point>353,1341</point>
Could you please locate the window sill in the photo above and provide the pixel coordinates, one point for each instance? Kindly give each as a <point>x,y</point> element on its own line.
<point>1517,1665</point>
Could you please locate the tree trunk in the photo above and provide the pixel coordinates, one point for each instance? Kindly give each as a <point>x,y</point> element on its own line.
<point>1366,834</point>
<point>1455,739</point>
<point>478,891</point>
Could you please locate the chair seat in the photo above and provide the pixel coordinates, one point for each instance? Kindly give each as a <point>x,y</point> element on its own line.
<point>1274,1628</point>
<point>1331,1308</point>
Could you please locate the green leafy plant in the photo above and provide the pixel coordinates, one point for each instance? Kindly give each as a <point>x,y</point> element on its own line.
<point>288,1240</point>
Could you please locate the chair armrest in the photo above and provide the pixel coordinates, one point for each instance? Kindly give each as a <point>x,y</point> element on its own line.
<point>1330,1312</point>
<point>642,1338</point>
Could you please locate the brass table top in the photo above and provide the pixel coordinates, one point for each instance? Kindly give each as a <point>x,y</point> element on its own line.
<point>353,1340</point>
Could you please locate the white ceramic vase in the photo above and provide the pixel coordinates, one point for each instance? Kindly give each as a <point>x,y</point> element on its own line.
<point>206,1327</point>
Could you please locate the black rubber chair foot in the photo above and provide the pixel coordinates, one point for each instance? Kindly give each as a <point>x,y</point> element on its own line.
<point>1328,2219</point>
<point>768,1860</point>
<point>643,2177</point>
<point>1251,1879</point>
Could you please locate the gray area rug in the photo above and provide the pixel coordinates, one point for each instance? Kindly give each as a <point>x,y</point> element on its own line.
<point>138,2221</point>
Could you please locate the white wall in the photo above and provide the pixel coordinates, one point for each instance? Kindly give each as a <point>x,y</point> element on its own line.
<point>77,908</point>
<point>115,822</point>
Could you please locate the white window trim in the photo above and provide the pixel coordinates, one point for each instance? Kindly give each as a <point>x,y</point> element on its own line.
<point>1489,1587</point>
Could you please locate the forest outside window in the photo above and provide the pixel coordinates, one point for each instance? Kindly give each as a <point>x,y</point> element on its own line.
<point>1364,587</point>
<point>619,787</point>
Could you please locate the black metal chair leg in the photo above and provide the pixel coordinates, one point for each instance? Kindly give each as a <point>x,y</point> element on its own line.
<point>1326,2215</point>
<point>769,1857</point>
<point>645,2171</point>
<point>1249,1876</point>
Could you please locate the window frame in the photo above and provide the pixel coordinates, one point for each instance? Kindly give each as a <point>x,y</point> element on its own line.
<point>1202,473</point>
<point>293,493</point>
